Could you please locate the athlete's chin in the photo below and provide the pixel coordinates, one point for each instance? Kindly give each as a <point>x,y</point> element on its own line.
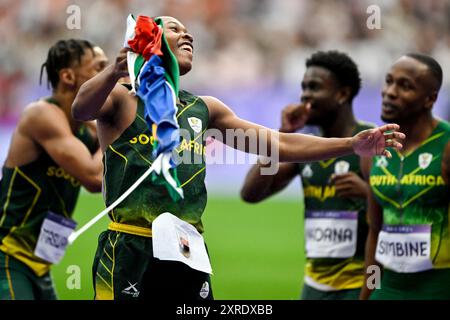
<point>185,67</point>
<point>388,118</point>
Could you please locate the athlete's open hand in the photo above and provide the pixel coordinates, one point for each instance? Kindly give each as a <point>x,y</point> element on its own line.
<point>294,116</point>
<point>372,142</point>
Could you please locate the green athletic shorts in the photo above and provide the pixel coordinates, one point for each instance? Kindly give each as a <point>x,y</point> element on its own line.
<point>427,285</point>
<point>18,282</point>
<point>124,268</point>
<point>310,293</point>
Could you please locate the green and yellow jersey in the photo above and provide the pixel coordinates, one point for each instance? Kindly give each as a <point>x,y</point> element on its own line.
<point>27,194</point>
<point>415,200</point>
<point>335,227</point>
<point>130,156</point>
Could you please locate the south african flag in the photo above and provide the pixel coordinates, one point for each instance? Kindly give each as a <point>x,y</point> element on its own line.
<point>154,75</point>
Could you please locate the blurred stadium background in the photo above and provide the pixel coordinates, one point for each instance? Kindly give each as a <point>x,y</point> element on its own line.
<point>250,54</point>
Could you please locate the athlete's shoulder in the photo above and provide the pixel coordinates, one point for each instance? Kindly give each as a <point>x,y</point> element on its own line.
<point>41,110</point>
<point>43,117</point>
<point>444,125</point>
<point>189,97</point>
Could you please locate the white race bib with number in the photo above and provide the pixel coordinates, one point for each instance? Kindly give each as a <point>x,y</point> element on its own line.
<point>52,242</point>
<point>331,234</point>
<point>176,240</point>
<point>405,248</point>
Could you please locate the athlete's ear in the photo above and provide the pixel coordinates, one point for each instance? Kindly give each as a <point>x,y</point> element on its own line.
<point>344,94</point>
<point>430,100</point>
<point>67,77</point>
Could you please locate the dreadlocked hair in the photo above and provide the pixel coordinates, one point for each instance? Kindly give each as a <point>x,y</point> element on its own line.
<point>62,55</point>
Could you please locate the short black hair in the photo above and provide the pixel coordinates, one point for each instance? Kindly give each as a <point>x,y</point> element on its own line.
<point>61,55</point>
<point>434,66</point>
<point>341,65</point>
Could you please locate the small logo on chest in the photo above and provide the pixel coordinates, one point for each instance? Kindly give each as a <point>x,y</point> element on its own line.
<point>425,160</point>
<point>307,171</point>
<point>382,162</point>
<point>195,123</point>
<point>341,167</point>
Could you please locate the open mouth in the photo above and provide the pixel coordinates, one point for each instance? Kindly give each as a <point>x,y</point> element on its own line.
<point>388,107</point>
<point>187,46</point>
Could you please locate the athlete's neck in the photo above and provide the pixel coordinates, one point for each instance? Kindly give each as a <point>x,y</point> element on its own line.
<point>64,98</point>
<point>417,130</point>
<point>342,125</point>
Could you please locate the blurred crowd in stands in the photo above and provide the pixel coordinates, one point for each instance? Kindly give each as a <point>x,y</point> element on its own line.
<point>238,43</point>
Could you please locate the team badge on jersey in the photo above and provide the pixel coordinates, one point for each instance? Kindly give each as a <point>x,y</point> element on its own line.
<point>425,160</point>
<point>341,167</point>
<point>382,162</point>
<point>307,171</point>
<point>204,291</point>
<point>196,124</point>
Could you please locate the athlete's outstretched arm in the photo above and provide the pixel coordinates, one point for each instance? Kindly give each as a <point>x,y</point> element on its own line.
<point>258,187</point>
<point>51,130</point>
<point>298,147</point>
<point>98,95</point>
<point>375,222</point>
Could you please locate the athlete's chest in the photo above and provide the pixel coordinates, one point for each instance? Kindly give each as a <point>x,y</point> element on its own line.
<point>416,177</point>
<point>317,177</point>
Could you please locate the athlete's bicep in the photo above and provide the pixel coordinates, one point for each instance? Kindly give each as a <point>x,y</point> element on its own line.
<point>223,118</point>
<point>52,132</point>
<point>236,132</point>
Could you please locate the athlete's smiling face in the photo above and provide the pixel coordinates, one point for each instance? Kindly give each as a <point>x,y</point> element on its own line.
<point>180,42</point>
<point>407,91</point>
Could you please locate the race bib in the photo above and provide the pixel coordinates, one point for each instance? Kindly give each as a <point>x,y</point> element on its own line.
<point>52,242</point>
<point>176,240</point>
<point>405,248</point>
<point>331,234</point>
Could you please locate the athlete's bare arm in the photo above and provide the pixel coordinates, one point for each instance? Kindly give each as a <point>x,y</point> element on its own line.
<point>102,98</point>
<point>299,147</point>
<point>45,126</point>
<point>258,187</point>
<point>375,222</point>
<point>97,96</point>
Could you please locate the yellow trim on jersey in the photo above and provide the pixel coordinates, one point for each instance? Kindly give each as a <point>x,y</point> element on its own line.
<point>119,154</point>
<point>103,291</point>
<point>421,193</point>
<point>8,276</point>
<point>187,107</point>
<point>195,174</point>
<point>343,275</point>
<point>386,171</point>
<point>327,163</point>
<point>114,262</point>
<point>8,196</point>
<point>419,168</point>
<point>130,229</point>
<point>385,198</point>
<point>107,254</point>
<point>198,136</point>
<point>106,268</point>
<point>36,197</point>
<point>12,247</point>
<point>140,154</point>
<point>138,116</point>
<point>433,137</point>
